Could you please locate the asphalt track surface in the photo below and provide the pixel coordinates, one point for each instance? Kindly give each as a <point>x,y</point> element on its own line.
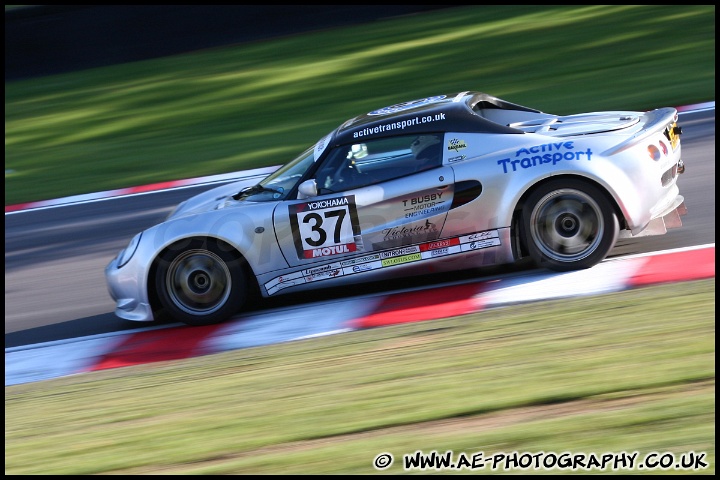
<point>55,256</point>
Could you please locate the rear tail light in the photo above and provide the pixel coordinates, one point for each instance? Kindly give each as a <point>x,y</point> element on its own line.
<point>654,152</point>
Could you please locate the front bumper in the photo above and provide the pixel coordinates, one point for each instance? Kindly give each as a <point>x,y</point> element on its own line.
<point>125,294</point>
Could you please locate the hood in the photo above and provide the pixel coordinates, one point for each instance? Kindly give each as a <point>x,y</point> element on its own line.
<point>212,199</point>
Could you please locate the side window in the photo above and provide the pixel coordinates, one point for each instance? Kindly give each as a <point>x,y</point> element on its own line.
<point>367,163</point>
<point>427,150</point>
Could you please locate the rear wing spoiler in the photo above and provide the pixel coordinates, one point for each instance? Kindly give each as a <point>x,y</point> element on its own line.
<point>655,121</point>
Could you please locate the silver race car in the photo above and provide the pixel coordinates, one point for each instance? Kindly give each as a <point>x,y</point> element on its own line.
<point>443,183</point>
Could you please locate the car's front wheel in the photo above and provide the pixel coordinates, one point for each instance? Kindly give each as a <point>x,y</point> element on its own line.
<point>201,282</point>
<point>568,225</point>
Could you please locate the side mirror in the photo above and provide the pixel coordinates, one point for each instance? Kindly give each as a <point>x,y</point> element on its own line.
<point>307,189</point>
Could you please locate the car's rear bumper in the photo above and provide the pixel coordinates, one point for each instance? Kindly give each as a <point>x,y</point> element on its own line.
<point>668,219</point>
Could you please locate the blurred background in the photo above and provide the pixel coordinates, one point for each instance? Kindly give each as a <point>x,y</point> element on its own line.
<point>50,39</point>
<point>105,97</point>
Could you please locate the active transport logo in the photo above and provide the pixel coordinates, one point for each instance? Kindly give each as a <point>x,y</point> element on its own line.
<point>541,154</point>
<point>420,461</point>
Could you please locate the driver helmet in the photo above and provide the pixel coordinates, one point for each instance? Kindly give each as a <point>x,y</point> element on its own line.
<point>358,151</point>
<point>422,142</point>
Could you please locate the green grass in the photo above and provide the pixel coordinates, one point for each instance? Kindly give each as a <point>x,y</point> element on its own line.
<point>259,104</point>
<point>632,371</point>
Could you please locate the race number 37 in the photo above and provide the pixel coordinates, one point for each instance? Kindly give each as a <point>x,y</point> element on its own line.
<point>324,228</point>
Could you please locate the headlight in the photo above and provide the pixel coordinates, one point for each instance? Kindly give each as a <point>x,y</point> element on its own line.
<point>129,251</point>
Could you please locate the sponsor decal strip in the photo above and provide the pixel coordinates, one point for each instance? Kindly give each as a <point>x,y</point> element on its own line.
<point>387,259</point>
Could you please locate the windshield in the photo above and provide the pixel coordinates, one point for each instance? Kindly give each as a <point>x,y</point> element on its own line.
<point>277,185</point>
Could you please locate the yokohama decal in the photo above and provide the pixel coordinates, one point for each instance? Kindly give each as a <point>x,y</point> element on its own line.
<point>323,228</point>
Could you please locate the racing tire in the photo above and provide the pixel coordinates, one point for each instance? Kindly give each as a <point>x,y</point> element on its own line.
<point>201,282</point>
<point>568,225</point>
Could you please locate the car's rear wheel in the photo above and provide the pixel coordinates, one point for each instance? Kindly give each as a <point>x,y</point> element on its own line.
<point>568,225</point>
<point>201,282</point>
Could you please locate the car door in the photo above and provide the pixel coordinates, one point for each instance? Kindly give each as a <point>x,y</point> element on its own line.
<point>392,207</point>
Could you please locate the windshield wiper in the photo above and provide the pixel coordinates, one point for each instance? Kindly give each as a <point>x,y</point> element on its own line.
<point>253,190</point>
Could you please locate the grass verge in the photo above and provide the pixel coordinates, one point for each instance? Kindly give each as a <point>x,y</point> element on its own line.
<point>632,371</point>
